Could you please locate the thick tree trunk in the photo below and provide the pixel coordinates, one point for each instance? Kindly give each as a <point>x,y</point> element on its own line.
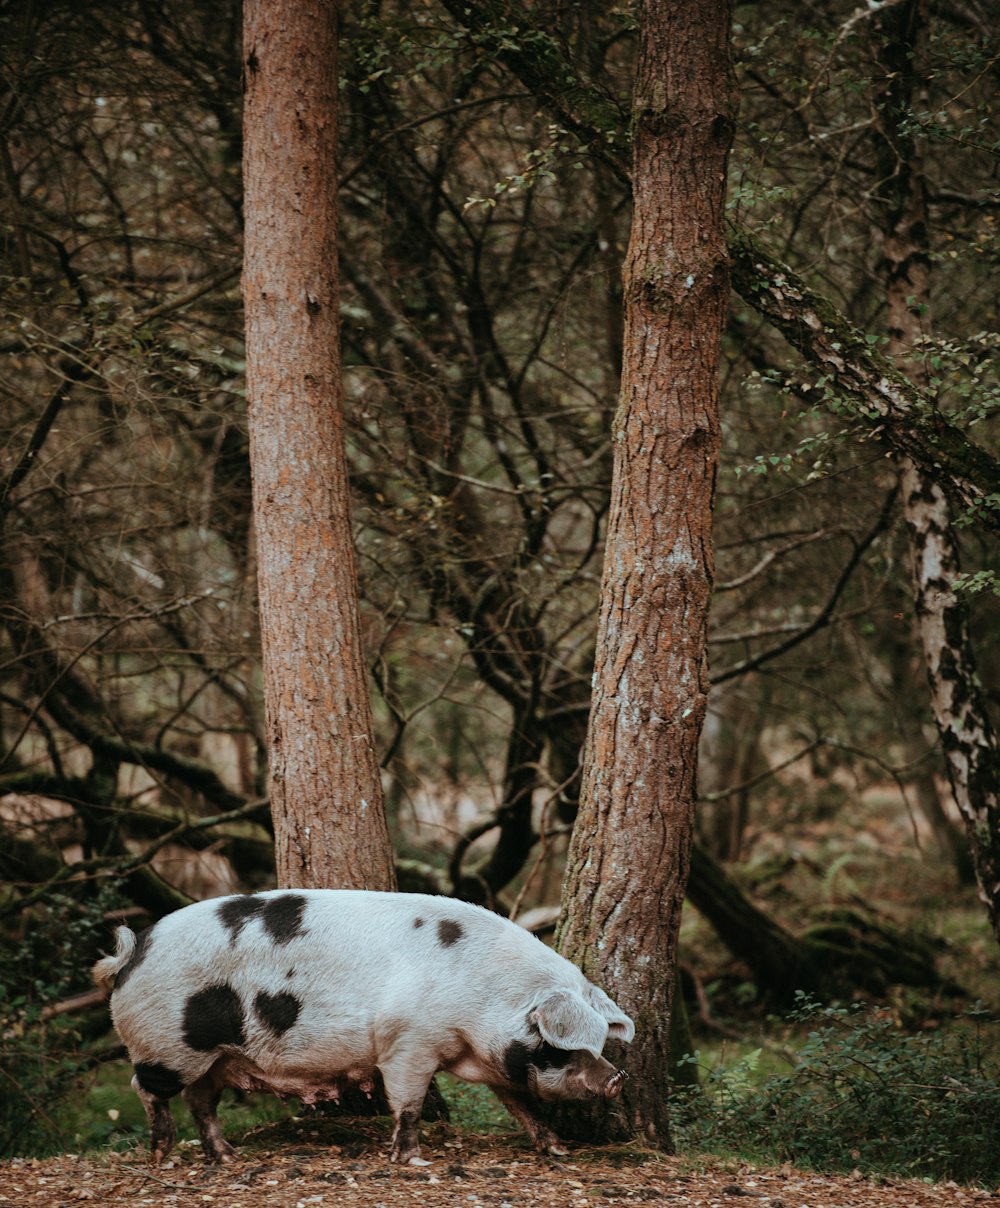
<point>968,738</point>
<point>325,789</point>
<point>628,861</point>
<point>971,747</point>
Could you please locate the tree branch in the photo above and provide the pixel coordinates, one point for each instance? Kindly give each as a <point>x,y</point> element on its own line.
<point>864,382</point>
<point>825,615</point>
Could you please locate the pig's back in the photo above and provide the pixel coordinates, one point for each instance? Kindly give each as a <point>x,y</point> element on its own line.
<point>296,971</point>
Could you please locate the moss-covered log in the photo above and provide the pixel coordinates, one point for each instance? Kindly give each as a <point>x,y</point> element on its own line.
<point>842,951</point>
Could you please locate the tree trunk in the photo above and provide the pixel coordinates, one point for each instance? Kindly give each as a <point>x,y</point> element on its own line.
<point>971,748</point>
<point>326,794</point>
<point>628,860</point>
<point>904,656</point>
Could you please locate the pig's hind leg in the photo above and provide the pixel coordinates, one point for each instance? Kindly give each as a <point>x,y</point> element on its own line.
<point>162,1129</point>
<point>202,1098</point>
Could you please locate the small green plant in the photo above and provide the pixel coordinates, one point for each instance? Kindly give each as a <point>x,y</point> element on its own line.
<point>42,1057</point>
<point>863,1095</point>
<point>473,1107</point>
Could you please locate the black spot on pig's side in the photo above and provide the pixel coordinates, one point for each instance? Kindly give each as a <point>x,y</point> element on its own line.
<point>142,941</point>
<point>449,932</point>
<point>158,1080</point>
<point>283,917</point>
<point>235,913</point>
<point>417,923</point>
<point>212,1017</point>
<point>518,1056</point>
<point>277,1012</point>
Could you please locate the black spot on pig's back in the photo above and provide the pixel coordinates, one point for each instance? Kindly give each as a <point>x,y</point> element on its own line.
<point>158,1080</point>
<point>283,917</point>
<point>235,913</point>
<point>213,1017</point>
<point>449,932</point>
<point>142,943</point>
<point>277,1012</point>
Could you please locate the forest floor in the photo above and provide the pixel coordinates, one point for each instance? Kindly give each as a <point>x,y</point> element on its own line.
<point>296,1164</point>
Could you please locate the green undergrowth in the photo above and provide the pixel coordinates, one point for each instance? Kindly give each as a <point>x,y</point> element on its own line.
<point>861,1094</point>
<point>475,1108</point>
<point>107,1114</point>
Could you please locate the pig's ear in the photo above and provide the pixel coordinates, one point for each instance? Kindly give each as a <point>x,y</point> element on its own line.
<point>566,1021</point>
<point>620,1026</point>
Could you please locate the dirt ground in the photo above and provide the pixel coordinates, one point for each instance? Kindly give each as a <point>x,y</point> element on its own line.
<point>297,1164</point>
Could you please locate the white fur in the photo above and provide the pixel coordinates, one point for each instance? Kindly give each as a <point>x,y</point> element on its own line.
<point>374,988</point>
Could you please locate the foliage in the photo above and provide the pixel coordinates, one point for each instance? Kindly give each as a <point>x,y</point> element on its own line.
<point>42,1057</point>
<point>482,249</point>
<point>862,1095</point>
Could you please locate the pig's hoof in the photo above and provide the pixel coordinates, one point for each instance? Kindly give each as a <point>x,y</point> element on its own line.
<point>403,1159</point>
<point>408,1157</point>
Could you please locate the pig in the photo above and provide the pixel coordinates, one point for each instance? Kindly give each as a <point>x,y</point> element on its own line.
<point>307,992</point>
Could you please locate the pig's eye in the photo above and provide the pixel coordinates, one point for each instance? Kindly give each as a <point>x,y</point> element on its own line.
<point>547,1057</point>
<point>541,1056</point>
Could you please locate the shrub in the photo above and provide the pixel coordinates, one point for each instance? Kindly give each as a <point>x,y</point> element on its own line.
<point>862,1095</point>
<point>41,1059</point>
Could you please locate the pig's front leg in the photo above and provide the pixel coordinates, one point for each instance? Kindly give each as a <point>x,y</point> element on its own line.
<point>522,1108</point>
<point>406,1082</point>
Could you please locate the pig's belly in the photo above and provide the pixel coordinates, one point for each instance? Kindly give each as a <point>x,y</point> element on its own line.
<point>471,1068</point>
<point>311,1086</point>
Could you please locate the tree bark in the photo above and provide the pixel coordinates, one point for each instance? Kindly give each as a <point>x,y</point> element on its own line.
<point>628,860</point>
<point>326,795</point>
<point>968,738</point>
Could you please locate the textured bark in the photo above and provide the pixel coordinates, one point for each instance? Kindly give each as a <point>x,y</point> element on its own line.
<point>969,741</point>
<point>968,737</point>
<point>326,793</point>
<point>628,860</point>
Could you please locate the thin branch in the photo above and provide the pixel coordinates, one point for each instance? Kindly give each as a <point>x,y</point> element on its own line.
<point>825,615</point>
<point>144,614</point>
<point>119,866</point>
<point>767,774</point>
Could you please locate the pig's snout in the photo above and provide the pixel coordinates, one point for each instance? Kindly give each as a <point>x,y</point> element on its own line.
<point>613,1086</point>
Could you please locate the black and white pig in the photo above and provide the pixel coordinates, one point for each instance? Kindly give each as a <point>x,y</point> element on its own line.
<point>307,992</point>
